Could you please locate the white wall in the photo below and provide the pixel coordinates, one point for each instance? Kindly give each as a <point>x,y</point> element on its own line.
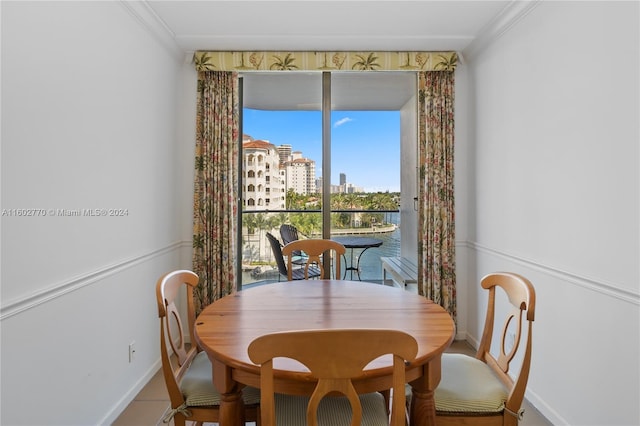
<point>556,199</point>
<point>91,105</point>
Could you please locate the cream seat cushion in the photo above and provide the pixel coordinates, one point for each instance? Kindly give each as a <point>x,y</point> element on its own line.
<point>468,386</point>
<point>197,385</point>
<point>332,411</point>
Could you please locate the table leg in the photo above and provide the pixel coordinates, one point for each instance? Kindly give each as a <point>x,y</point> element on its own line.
<point>358,262</point>
<point>422,411</point>
<point>231,409</point>
<point>349,267</point>
<point>231,403</point>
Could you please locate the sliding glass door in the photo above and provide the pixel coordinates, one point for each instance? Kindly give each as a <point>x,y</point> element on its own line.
<point>321,151</point>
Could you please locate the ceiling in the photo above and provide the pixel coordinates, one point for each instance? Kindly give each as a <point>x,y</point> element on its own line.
<point>327,25</point>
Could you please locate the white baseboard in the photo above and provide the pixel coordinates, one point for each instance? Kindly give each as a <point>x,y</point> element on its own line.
<point>113,414</point>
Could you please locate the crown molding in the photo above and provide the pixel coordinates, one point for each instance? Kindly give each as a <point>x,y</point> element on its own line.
<point>154,25</point>
<point>501,24</point>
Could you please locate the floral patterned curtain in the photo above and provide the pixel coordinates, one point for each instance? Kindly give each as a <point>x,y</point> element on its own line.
<point>215,200</point>
<point>436,217</point>
<point>216,186</point>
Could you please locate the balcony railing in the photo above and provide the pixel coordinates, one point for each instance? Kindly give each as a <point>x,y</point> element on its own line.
<point>258,263</point>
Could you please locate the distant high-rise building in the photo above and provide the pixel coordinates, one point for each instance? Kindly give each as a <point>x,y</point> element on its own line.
<point>301,174</point>
<point>343,178</point>
<point>285,153</point>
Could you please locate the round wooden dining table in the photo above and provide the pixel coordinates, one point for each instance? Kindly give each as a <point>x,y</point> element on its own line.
<point>225,329</point>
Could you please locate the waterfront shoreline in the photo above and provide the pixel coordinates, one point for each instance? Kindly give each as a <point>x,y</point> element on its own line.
<point>372,230</point>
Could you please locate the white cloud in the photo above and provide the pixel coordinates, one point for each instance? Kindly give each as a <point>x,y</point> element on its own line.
<point>342,121</point>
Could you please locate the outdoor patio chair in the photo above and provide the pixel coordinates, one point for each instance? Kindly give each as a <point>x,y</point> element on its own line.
<point>289,233</point>
<point>290,273</point>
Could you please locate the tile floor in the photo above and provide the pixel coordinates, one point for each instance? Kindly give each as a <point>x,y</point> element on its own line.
<point>150,404</point>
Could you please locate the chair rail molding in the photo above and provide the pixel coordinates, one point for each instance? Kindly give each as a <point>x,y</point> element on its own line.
<point>501,24</point>
<point>609,289</point>
<point>14,307</point>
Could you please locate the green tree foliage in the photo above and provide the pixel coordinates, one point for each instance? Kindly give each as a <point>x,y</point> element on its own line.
<point>341,203</point>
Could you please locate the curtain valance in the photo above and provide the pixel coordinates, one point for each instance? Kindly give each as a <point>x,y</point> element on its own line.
<point>324,61</point>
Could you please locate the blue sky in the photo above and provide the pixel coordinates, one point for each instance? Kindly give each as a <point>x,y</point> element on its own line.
<point>365,144</point>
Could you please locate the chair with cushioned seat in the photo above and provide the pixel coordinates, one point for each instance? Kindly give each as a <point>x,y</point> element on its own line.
<point>187,370</point>
<point>481,391</point>
<point>334,358</point>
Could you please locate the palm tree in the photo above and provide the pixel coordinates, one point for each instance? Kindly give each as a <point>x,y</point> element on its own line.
<point>338,202</point>
<point>447,64</point>
<point>340,220</point>
<point>366,64</point>
<point>295,201</point>
<point>204,61</point>
<point>249,221</point>
<point>282,64</point>
<point>307,223</point>
<point>353,201</point>
<point>375,202</point>
<point>279,220</point>
<point>262,224</point>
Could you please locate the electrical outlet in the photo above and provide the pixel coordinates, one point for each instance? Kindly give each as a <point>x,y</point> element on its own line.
<point>132,351</point>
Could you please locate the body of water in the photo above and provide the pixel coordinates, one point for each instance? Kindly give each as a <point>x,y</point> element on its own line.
<point>370,266</point>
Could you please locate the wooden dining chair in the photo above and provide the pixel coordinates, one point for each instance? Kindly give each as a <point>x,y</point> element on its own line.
<point>187,370</point>
<point>314,248</point>
<point>334,358</point>
<point>481,391</point>
<point>289,272</point>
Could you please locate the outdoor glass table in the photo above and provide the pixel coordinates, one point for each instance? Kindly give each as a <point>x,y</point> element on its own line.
<point>226,328</point>
<point>355,242</point>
